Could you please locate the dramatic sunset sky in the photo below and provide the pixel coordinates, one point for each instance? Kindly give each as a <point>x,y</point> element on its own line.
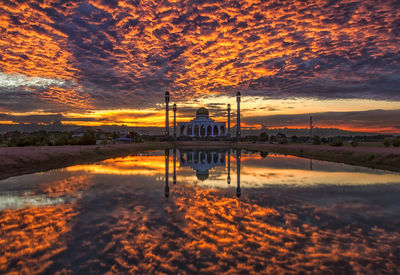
<point>110,62</point>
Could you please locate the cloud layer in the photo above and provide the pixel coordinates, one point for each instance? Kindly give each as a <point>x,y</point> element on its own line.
<point>125,54</point>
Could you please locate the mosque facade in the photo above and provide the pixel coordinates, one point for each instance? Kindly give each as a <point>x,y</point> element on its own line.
<point>202,126</point>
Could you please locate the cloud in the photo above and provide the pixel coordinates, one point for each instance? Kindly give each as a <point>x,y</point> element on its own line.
<point>123,54</point>
<point>363,120</point>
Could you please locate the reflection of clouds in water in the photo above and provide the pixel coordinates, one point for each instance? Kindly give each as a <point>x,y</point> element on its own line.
<point>203,230</point>
<point>30,237</point>
<point>121,223</point>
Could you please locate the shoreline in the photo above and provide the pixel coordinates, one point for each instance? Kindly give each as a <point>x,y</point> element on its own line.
<point>372,157</point>
<point>15,161</point>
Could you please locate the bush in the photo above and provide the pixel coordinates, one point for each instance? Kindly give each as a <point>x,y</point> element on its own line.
<point>272,139</point>
<point>263,137</point>
<point>387,142</point>
<point>337,142</point>
<point>396,142</point>
<point>354,143</point>
<point>316,140</point>
<point>283,141</point>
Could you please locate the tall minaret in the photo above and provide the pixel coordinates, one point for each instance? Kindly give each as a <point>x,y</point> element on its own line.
<point>311,128</point>
<point>174,156</point>
<point>174,108</point>
<point>167,114</point>
<point>228,133</point>
<point>238,133</point>
<point>229,166</point>
<point>166,173</point>
<point>238,190</point>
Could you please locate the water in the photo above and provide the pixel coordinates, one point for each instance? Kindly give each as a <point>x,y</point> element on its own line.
<point>208,211</point>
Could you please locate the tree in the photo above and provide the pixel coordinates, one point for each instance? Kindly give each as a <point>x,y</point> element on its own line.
<point>316,140</point>
<point>396,142</point>
<point>387,142</point>
<point>337,142</point>
<point>89,138</point>
<point>263,137</point>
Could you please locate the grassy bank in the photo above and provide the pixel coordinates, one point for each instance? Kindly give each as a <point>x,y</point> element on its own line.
<point>373,157</point>
<point>24,160</point>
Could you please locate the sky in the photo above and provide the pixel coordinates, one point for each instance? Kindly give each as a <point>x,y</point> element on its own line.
<point>110,62</point>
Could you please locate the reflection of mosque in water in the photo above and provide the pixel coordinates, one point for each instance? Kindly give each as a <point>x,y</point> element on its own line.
<point>202,160</point>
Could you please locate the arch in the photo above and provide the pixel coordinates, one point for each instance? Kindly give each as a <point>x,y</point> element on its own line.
<point>190,157</point>
<point>196,130</point>
<point>209,130</point>
<point>183,159</point>
<point>202,157</point>
<point>222,130</point>
<point>190,130</point>
<point>182,130</point>
<point>209,157</point>
<point>215,130</point>
<point>215,158</point>
<point>196,157</point>
<point>202,130</point>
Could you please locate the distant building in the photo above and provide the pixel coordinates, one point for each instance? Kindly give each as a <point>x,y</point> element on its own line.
<point>202,126</point>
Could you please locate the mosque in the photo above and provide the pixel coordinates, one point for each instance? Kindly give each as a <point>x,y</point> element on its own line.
<point>202,125</point>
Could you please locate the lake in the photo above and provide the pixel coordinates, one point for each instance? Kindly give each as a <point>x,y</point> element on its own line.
<point>201,211</point>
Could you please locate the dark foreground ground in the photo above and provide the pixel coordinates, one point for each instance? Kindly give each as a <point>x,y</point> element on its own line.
<point>23,160</point>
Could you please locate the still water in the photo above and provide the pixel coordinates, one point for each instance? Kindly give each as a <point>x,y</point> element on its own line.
<point>192,211</point>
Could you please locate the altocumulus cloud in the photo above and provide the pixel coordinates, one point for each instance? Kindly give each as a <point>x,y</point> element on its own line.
<point>124,54</point>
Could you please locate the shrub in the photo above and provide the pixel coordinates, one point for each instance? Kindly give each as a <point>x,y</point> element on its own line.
<point>387,142</point>
<point>354,143</point>
<point>337,142</point>
<point>316,140</point>
<point>263,137</point>
<point>283,141</point>
<point>396,142</point>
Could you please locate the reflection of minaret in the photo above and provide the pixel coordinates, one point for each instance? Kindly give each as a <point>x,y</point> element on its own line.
<point>229,166</point>
<point>238,191</point>
<point>311,128</point>
<point>311,164</point>
<point>174,155</point>
<point>166,172</point>
<point>174,108</point>
<point>238,133</point>
<point>228,133</point>
<point>166,113</point>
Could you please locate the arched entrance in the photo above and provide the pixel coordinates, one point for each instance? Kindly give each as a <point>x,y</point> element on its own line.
<point>189,130</point>
<point>215,130</point>
<point>209,131</point>
<point>202,131</point>
<point>183,130</point>
<point>222,130</point>
<point>196,130</point>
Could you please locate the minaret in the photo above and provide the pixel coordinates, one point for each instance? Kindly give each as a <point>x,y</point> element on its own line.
<point>238,190</point>
<point>166,172</point>
<point>174,108</point>
<point>229,166</point>
<point>228,133</point>
<point>311,128</point>
<point>166,114</point>
<point>238,133</point>
<point>174,156</point>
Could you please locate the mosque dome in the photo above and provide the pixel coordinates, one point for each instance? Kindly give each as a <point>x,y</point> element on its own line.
<point>202,112</point>
<point>202,175</point>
